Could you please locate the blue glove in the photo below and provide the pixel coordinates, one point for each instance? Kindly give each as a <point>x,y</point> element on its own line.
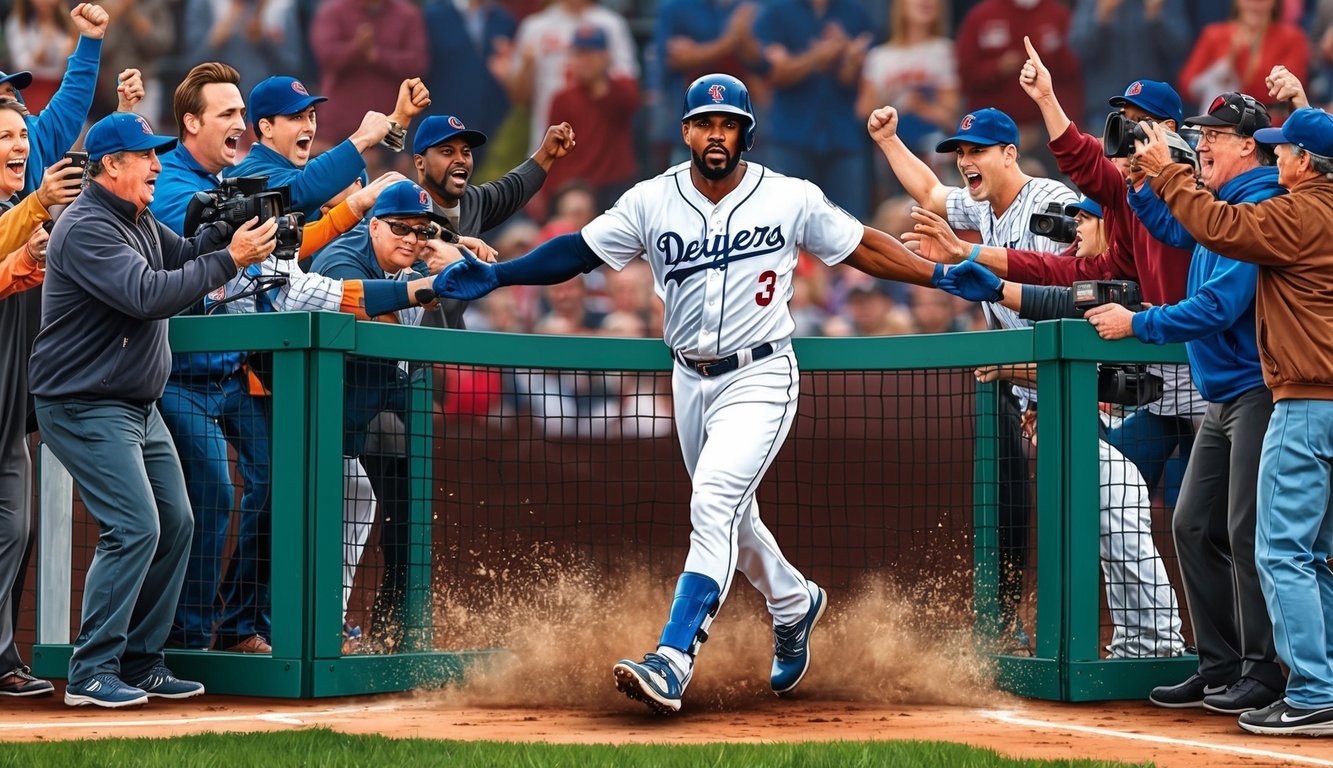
<point>973,282</point>
<point>466,280</point>
<point>936,275</point>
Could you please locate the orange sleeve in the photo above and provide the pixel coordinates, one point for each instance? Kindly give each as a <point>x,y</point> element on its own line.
<point>318,234</point>
<point>20,272</point>
<point>354,299</point>
<point>18,223</point>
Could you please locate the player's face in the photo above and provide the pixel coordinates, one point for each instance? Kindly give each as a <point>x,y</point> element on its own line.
<point>983,166</point>
<point>13,151</point>
<point>715,143</point>
<point>214,135</point>
<point>445,168</point>
<point>394,251</point>
<point>291,135</point>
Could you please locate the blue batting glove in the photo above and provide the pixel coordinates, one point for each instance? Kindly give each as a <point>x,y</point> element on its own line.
<point>973,282</point>
<point>466,280</point>
<point>937,275</point>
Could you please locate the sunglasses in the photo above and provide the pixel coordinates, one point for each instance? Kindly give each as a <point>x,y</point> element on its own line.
<point>399,229</point>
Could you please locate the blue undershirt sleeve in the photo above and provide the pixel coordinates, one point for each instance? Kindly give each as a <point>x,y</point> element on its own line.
<point>554,261</point>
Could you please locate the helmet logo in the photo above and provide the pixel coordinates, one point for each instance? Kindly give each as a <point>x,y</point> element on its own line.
<point>455,122</point>
<point>715,92</point>
<point>1134,89</point>
<point>143,125</point>
<point>299,88</point>
<point>966,125</point>
<point>421,193</point>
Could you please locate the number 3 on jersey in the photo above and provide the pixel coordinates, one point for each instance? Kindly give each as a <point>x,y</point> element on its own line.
<point>768,280</point>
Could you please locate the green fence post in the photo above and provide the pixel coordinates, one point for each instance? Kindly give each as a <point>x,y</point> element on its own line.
<point>418,609</point>
<point>985,517</point>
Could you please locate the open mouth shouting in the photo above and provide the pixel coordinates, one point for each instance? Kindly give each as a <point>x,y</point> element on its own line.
<point>303,143</point>
<point>973,180</point>
<point>457,177</point>
<point>15,167</point>
<point>230,146</point>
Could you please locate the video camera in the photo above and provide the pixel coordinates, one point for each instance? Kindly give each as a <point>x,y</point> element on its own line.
<point>1121,383</point>
<point>239,199</point>
<point>1054,224</point>
<point>1120,132</point>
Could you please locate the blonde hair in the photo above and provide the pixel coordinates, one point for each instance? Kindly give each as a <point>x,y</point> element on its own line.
<point>898,22</point>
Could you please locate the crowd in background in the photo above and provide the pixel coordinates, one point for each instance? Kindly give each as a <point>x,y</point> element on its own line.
<point>510,68</point>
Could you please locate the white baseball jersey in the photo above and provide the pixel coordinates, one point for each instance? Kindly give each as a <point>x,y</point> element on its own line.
<point>723,271</point>
<point>302,292</point>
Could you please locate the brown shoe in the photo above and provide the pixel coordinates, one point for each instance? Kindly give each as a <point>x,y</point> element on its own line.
<point>251,644</point>
<point>20,683</point>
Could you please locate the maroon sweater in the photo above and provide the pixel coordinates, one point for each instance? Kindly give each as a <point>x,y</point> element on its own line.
<point>1159,269</point>
<point>604,127</point>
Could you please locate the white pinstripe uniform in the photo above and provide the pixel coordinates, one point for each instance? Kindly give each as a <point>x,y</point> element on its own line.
<point>724,272</point>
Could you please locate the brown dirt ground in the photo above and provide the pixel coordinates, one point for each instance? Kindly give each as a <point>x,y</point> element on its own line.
<point>1128,731</point>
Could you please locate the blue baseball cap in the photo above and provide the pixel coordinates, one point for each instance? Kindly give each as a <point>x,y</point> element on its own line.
<point>987,127</point>
<point>19,80</point>
<point>280,96</point>
<point>1308,128</point>
<point>438,129</point>
<point>406,198</point>
<point>1154,97</point>
<point>120,132</point>
<point>589,38</point>
<point>1085,205</point>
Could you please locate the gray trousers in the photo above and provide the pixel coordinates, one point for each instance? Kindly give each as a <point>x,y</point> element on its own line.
<point>129,477</point>
<point>1214,529</point>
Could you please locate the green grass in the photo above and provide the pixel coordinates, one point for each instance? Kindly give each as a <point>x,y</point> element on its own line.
<point>328,749</point>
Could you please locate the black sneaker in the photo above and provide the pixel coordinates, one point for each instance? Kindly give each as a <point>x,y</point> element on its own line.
<point>1282,719</point>
<point>20,683</point>
<point>1246,695</point>
<point>1183,695</point>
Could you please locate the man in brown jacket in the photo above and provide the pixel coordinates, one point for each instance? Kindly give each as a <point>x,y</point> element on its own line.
<point>1287,237</point>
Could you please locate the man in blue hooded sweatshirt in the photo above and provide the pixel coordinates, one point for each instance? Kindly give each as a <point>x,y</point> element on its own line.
<point>1214,520</point>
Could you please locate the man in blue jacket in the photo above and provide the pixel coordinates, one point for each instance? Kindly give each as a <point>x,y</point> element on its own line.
<point>114,275</point>
<point>282,113</point>
<point>1214,520</point>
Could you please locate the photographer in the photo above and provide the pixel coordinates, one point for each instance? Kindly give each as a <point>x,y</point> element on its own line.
<point>114,275</point>
<point>1284,236</point>
<point>282,113</point>
<point>1138,588</point>
<point>1214,519</point>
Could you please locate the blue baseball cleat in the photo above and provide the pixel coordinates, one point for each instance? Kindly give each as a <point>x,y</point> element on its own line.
<point>651,681</point>
<point>104,690</point>
<point>791,645</point>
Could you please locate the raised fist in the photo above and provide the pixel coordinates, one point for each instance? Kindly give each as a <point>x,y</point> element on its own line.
<point>883,124</point>
<point>90,20</point>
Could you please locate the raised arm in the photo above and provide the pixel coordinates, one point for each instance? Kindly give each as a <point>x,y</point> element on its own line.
<point>916,177</point>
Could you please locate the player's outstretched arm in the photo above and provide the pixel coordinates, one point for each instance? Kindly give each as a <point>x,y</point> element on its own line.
<point>554,261</point>
<point>881,255</point>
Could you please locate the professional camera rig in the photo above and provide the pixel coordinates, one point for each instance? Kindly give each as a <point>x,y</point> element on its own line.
<point>1122,383</point>
<point>239,199</point>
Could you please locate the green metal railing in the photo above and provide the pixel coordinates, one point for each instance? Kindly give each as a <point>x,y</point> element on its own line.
<point>309,353</point>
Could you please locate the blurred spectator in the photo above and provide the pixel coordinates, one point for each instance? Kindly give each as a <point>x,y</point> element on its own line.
<point>815,50</point>
<point>572,206</point>
<point>1236,55</point>
<point>1321,66</point>
<point>257,37</point>
<point>915,71</point>
<point>936,311</point>
<point>464,39</point>
<point>990,54</point>
<point>602,104</point>
<point>809,316</point>
<point>1119,41</point>
<point>146,37</point>
<point>872,311</point>
<point>41,36</point>
<point>568,309</point>
<point>365,48</point>
<point>539,68</point>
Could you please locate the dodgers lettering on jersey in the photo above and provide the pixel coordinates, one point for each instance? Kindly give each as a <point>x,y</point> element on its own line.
<point>723,271</point>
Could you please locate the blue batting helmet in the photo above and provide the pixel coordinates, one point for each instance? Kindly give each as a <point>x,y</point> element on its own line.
<point>720,93</point>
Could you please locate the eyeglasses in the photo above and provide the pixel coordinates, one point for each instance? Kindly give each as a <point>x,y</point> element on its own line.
<point>399,229</point>
<point>1209,136</point>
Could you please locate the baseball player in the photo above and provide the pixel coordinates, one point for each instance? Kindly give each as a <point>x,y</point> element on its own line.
<point>722,237</point>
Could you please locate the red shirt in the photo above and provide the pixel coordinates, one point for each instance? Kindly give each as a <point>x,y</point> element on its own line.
<point>1283,43</point>
<point>1159,269</point>
<point>603,128</point>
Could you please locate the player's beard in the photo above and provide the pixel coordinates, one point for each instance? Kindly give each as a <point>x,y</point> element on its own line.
<point>716,174</point>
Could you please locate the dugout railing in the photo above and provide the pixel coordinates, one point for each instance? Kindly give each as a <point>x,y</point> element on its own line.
<point>309,353</point>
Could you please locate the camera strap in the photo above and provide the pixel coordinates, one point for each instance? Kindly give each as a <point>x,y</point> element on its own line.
<point>261,285</point>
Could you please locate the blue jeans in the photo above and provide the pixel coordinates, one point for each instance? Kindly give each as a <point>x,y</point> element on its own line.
<point>1293,541</point>
<point>843,175</point>
<point>1149,439</point>
<point>129,478</point>
<point>203,417</point>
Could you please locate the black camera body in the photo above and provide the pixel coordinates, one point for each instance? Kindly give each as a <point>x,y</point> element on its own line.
<point>1054,224</point>
<point>1120,133</point>
<point>1122,383</point>
<point>239,199</point>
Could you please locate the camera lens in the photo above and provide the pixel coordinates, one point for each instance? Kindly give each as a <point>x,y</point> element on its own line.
<point>1043,226</point>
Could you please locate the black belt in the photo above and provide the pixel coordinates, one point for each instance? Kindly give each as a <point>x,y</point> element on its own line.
<point>727,364</point>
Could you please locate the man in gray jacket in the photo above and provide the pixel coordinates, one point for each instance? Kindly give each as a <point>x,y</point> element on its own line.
<point>114,276</point>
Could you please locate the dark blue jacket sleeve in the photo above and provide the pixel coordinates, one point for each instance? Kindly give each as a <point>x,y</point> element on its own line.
<point>380,295</point>
<point>1157,219</point>
<point>554,261</point>
<point>58,126</point>
<point>323,177</point>
<point>1215,307</point>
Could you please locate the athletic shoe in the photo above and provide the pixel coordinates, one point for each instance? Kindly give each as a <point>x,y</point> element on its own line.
<point>20,683</point>
<point>1246,695</point>
<point>1184,695</point>
<point>104,690</point>
<point>162,684</point>
<point>651,681</point>
<point>791,645</point>
<point>1282,719</point>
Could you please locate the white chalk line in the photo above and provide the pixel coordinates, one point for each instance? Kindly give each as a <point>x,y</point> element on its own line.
<point>287,718</point>
<point>1014,719</point>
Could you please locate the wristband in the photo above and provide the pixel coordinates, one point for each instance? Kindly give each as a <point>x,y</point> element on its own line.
<point>976,251</point>
<point>395,139</point>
